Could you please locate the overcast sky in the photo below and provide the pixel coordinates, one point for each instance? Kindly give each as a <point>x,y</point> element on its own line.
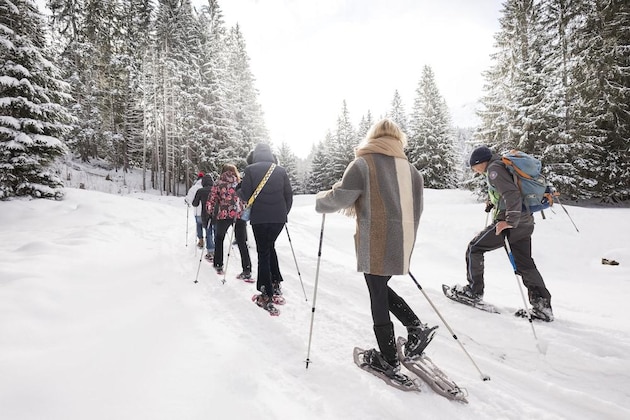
<point>308,56</point>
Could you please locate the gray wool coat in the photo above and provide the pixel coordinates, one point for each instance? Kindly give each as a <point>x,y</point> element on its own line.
<point>385,194</point>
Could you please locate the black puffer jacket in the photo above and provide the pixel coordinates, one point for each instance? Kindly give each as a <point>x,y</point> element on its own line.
<point>202,196</point>
<point>276,198</point>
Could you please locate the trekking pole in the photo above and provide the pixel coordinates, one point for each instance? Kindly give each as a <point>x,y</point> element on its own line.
<point>187,214</point>
<point>296,264</point>
<point>319,258</point>
<point>565,210</point>
<point>448,327</point>
<point>201,253</point>
<point>520,288</point>
<point>227,259</point>
<point>199,266</point>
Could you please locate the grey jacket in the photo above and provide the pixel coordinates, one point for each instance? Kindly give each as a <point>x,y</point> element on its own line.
<point>510,206</point>
<point>386,195</point>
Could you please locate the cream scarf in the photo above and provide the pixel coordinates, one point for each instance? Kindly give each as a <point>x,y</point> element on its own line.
<point>388,146</point>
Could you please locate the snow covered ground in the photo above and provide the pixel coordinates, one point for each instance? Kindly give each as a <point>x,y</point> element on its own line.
<point>100,318</point>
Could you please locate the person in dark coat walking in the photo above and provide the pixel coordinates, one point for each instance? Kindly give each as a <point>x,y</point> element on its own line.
<point>201,196</point>
<point>268,216</point>
<point>513,219</point>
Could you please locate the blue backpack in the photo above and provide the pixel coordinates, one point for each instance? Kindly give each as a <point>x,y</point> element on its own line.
<point>536,192</point>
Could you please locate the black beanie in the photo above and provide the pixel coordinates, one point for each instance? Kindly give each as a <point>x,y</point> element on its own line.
<point>206,181</point>
<point>479,155</point>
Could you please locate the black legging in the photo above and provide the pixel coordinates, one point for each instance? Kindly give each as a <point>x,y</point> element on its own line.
<point>240,234</point>
<point>384,300</point>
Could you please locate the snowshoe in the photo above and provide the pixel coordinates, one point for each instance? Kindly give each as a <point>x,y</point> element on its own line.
<point>373,362</point>
<point>426,370</point>
<point>278,300</point>
<point>265,303</point>
<point>246,277</point>
<point>542,315</point>
<point>451,293</point>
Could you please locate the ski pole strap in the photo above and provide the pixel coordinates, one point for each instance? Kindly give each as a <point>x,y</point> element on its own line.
<point>261,185</point>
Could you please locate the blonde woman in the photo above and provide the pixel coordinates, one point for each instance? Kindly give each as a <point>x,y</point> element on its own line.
<point>384,192</point>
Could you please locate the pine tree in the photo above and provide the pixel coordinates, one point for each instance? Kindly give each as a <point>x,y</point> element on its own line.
<point>78,58</point>
<point>601,132</point>
<point>558,32</point>
<point>247,111</point>
<point>136,26</point>
<point>345,141</point>
<point>364,126</point>
<point>528,82</point>
<point>218,126</point>
<point>288,160</point>
<point>397,113</point>
<point>431,146</point>
<point>514,104</point>
<point>32,115</point>
<point>321,177</point>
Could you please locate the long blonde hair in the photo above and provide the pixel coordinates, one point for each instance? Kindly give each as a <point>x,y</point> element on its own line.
<point>386,128</point>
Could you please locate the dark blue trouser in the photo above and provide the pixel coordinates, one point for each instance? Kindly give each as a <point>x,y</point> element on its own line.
<point>208,227</point>
<point>265,235</point>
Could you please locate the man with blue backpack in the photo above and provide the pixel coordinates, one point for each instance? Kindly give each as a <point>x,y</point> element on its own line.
<point>514,221</point>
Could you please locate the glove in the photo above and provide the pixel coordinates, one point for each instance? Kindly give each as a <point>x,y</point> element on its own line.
<point>489,206</point>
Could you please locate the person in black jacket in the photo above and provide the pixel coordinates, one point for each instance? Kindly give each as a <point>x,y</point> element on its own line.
<point>268,215</point>
<point>201,196</point>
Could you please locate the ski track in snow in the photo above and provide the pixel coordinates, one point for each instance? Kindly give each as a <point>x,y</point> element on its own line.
<point>101,318</point>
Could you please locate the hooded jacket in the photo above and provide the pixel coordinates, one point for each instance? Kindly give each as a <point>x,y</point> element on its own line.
<point>190,196</point>
<point>201,196</point>
<point>223,196</point>
<point>273,203</point>
<point>505,194</point>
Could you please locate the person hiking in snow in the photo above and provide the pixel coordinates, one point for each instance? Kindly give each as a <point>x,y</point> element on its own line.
<point>190,196</point>
<point>206,218</point>
<point>268,215</point>
<point>228,211</point>
<point>511,219</point>
<point>385,194</point>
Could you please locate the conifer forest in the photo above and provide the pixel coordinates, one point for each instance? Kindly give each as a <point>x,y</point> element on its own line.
<point>165,87</point>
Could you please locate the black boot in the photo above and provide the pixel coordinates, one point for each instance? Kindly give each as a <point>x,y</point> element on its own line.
<point>418,339</point>
<point>387,344</point>
<point>541,309</point>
